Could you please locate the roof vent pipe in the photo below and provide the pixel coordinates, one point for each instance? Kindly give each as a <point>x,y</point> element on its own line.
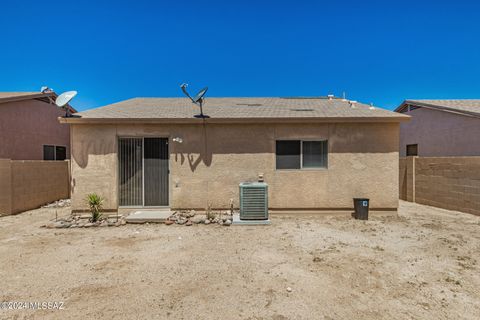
<point>352,103</point>
<point>330,96</point>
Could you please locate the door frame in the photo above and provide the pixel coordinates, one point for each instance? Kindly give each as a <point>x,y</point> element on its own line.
<point>143,172</point>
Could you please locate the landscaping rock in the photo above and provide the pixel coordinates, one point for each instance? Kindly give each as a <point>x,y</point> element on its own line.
<point>188,223</point>
<point>181,221</point>
<point>207,221</point>
<point>169,222</point>
<point>191,213</point>
<point>88,225</point>
<point>62,224</point>
<point>227,222</point>
<point>198,219</point>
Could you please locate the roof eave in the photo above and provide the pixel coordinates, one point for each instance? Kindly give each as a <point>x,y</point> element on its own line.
<point>78,120</point>
<point>26,97</point>
<point>436,107</point>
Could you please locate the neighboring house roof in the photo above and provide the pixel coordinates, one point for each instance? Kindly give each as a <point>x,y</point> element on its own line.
<point>15,96</point>
<point>19,96</point>
<point>470,107</point>
<point>177,110</point>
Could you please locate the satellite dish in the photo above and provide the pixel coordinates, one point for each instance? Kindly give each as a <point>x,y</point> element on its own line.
<point>45,89</point>
<point>200,94</point>
<point>198,99</point>
<point>64,99</point>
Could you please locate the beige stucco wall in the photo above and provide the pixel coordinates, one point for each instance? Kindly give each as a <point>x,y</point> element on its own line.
<point>213,159</point>
<point>26,185</point>
<point>440,134</point>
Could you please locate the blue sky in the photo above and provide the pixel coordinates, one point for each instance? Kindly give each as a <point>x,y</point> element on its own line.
<point>376,51</point>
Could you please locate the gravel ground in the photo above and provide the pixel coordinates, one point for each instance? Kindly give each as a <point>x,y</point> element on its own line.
<point>422,264</point>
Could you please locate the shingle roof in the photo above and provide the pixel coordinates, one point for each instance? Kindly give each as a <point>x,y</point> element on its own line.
<point>464,106</point>
<point>235,109</point>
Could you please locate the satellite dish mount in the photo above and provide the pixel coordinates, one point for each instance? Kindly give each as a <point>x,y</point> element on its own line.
<point>198,99</point>
<point>63,100</point>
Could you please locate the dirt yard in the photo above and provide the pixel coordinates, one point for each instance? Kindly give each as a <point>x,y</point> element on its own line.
<point>423,264</point>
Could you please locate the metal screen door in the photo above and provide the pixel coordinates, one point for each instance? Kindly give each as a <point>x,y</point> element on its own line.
<point>143,172</point>
<point>156,172</point>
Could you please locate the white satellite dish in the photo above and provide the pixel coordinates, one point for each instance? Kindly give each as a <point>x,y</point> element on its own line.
<point>65,98</point>
<point>45,89</point>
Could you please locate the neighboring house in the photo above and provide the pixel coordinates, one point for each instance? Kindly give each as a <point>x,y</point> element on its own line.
<point>315,154</point>
<point>29,128</point>
<point>440,128</point>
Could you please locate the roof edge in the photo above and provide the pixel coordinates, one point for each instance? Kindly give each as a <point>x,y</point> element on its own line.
<point>27,97</point>
<point>436,107</point>
<point>78,120</point>
<point>35,96</point>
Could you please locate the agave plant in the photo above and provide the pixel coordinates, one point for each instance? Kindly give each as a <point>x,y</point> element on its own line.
<point>95,203</point>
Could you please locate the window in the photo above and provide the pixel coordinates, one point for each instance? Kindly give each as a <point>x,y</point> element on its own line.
<point>60,153</point>
<point>54,152</point>
<point>297,154</point>
<point>48,152</point>
<point>314,154</point>
<point>412,150</point>
<point>288,154</point>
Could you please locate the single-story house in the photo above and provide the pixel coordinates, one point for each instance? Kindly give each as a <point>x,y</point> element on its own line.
<point>29,128</point>
<point>440,128</point>
<point>316,154</point>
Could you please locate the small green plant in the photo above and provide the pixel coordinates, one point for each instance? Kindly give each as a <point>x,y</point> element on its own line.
<point>95,203</point>
<point>210,214</point>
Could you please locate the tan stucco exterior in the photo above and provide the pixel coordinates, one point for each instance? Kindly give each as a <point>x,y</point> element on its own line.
<point>214,158</point>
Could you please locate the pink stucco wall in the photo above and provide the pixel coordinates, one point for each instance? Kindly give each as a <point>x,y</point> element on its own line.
<point>25,126</point>
<point>440,133</point>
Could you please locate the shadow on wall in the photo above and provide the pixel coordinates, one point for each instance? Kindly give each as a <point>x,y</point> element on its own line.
<point>84,148</point>
<point>195,159</point>
<point>201,142</point>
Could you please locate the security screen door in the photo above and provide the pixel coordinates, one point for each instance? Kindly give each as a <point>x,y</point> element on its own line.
<point>143,176</point>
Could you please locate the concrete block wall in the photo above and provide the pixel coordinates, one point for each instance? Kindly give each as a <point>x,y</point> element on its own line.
<point>5,186</point>
<point>445,182</point>
<point>26,185</point>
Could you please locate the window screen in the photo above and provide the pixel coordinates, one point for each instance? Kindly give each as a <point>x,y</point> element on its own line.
<point>412,150</point>
<point>60,153</point>
<point>288,154</point>
<point>297,154</point>
<point>48,153</point>
<point>315,154</point>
